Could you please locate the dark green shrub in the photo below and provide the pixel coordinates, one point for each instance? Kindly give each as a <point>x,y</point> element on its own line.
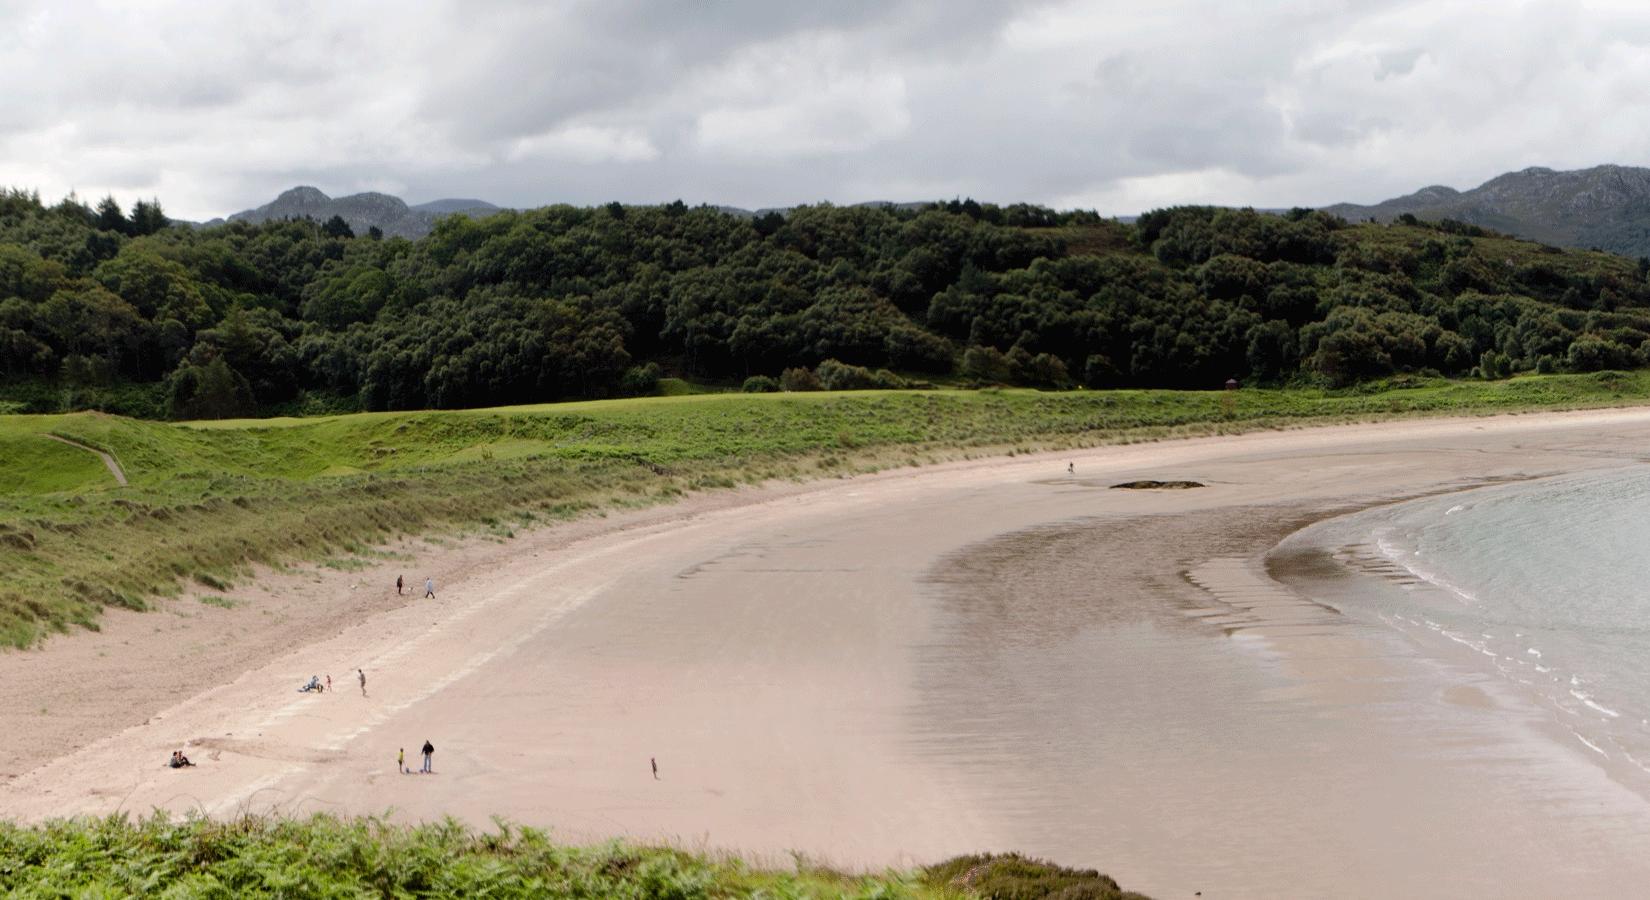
<point>1590,353</point>
<point>987,364</point>
<point>839,376</point>
<point>1010,876</point>
<point>760,384</point>
<point>640,381</point>
<point>799,379</point>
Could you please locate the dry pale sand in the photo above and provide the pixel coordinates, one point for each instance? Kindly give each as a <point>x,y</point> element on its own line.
<point>885,670</point>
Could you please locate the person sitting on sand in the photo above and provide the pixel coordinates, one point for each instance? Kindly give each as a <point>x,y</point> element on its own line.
<point>179,761</point>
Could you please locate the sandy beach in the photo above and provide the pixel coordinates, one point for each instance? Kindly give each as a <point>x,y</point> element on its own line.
<point>887,670</point>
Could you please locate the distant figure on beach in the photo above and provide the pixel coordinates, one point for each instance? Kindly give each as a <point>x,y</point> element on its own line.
<point>401,760</point>
<point>428,751</point>
<point>179,761</point>
<point>398,585</point>
<point>363,676</point>
<point>655,763</point>
<point>429,588</point>
<point>329,682</point>
<point>1071,468</point>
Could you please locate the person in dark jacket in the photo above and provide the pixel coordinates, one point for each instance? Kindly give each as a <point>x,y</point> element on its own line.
<point>428,751</point>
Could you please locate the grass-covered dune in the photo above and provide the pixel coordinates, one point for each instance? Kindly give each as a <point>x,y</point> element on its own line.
<point>207,500</point>
<point>348,858</point>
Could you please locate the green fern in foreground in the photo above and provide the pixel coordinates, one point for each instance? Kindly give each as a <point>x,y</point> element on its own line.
<point>329,857</point>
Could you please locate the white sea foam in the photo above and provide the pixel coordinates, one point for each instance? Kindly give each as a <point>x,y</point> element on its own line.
<point>1405,559</point>
<point>1592,746</point>
<point>1587,700</point>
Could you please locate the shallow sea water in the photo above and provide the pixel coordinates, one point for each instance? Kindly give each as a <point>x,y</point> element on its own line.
<point>1545,582</point>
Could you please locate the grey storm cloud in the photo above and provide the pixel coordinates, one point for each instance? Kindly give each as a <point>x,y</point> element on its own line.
<point>1118,106</point>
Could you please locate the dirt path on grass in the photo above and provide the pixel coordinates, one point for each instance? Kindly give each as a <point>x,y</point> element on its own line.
<point>894,668</point>
<point>108,459</point>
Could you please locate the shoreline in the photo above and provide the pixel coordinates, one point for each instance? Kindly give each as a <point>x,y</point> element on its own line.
<point>1342,561</point>
<point>827,615</point>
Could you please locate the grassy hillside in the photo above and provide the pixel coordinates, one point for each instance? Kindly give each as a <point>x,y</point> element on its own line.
<point>338,858</point>
<point>208,500</point>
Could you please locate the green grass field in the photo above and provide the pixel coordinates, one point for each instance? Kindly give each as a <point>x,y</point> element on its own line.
<point>326,857</point>
<point>208,500</point>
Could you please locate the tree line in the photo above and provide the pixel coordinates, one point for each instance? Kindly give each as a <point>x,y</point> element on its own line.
<point>139,315</point>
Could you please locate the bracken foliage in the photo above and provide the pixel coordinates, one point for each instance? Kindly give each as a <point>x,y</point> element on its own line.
<point>329,857</point>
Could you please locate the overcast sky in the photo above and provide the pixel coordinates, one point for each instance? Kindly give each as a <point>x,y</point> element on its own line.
<point>1118,106</point>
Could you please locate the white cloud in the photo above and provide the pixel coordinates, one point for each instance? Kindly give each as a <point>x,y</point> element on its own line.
<point>585,144</point>
<point>839,115</point>
<point>1124,106</point>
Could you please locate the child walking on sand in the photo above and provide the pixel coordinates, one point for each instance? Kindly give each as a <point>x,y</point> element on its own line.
<point>429,588</point>
<point>363,676</point>
<point>401,760</point>
<point>398,584</point>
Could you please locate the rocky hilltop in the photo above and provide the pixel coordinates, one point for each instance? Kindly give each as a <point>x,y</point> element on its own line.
<point>390,214</point>
<point>1607,207</point>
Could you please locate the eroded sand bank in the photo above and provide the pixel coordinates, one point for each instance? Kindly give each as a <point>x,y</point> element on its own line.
<point>896,668</point>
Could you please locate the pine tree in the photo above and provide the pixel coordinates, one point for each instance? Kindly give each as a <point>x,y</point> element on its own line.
<point>336,227</point>
<point>147,218</point>
<point>110,218</point>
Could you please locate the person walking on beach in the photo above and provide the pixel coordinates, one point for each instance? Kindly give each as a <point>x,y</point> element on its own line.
<point>398,584</point>
<point>329,683</point>
<point>363,676</point>
<point>428,751</point>
<point>401,760</point>
<point>655,761</point>
<point>1071,468</point>
<point>429,588</point>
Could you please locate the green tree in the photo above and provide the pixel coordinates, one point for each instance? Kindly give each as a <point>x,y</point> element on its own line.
<point>209,391</point>
<point>147,218</point>
<point>337,228</point>
<point>110,217</point>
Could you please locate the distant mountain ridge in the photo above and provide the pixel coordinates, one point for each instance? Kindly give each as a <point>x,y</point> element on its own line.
<point>396,218</point>
<point>362,211</point>
<point>1607,207</point>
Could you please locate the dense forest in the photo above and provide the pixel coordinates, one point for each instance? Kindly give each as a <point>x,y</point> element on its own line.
<point>131,313</point>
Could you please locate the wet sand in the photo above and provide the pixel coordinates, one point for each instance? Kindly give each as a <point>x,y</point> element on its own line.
<point>900,667</point>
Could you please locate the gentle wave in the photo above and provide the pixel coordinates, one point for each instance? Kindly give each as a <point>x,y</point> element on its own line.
<point>1544,583</point>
